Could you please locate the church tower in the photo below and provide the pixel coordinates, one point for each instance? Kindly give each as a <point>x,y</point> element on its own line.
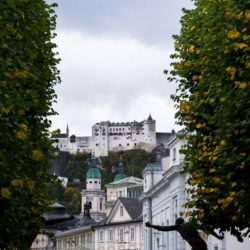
<point>93,192</point>
<point>120,175</point>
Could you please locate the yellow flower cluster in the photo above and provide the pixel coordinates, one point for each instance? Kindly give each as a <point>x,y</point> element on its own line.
<point>191,49</point>
<point>231,70</point>
<point>22,132</point>
<point>247,15</point>
<point>37,155</point>
<point>17,183</point>
<point>21,74</point>
<point>200,125</point>
<point>5,193</point>
<point>227,201</point>
<point>240,85</point>
<point>233,34</point>
<point>196,77</point>
<point>241,46</point>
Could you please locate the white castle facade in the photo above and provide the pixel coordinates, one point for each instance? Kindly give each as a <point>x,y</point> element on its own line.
<point>110,136</point>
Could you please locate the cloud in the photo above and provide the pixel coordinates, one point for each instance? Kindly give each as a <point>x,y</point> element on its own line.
<point>149,21</point>
<point>113,56</point>
<point>109,79</point>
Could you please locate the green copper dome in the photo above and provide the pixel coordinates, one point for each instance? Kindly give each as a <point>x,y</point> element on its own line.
<point>93,172</point>
<point>121,174</point>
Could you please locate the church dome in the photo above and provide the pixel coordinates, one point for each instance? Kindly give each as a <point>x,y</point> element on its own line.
<point>93,173</point>
<point>121,175</point>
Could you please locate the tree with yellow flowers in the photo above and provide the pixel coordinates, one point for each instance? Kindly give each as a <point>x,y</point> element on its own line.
<point>28,74</point>
<point>212,67</point>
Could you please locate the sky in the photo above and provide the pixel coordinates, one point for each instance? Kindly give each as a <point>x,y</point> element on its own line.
<point>113,54</point>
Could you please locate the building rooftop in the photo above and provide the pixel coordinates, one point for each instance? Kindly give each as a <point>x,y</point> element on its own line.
<point>126,181</point>
<point>133,207</point>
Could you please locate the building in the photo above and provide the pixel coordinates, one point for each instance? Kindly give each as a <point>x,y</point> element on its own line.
<point>93,192</point>
<point>123,227</point>
<point>72,144</point>
<point>110,136</point>
<point>122,186</point>
<point>79,236</point>
<point>55,219</point>
<point>163,199</point>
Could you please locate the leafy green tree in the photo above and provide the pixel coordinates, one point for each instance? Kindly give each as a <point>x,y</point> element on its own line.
<point>56,191</point>
<point>212,62</point>
<point>72,200</point>
<point>134,160</point>
<point>28,74</point>
<point>77,167</point>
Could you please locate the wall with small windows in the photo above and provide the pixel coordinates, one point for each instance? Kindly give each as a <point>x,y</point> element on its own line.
<point>80,238</point>
<point>123,236</point>
<point>110,136</point>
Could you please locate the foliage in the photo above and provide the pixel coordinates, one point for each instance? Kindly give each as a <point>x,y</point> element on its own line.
<point>72,200</point>
<point>27,75</point>
<point>134,160</point>
<point>77,167</point>
<point>212,63</point>
<point>56,192</point>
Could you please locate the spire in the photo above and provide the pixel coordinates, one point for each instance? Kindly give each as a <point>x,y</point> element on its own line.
<point>150,119</point>
<point>93,172</point>
<point>67,130</point>
<point>121,173</point>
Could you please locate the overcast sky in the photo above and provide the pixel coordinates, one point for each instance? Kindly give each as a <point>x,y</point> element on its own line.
<point>113,53</point>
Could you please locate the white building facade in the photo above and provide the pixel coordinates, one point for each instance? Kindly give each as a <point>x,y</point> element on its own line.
<point>122,228</point>
<point>164,195</point>
<point>110,136</point>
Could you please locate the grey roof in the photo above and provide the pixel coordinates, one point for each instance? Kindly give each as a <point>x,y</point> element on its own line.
<point>133,207</point>
<point>85,221</point>
<point>56,136</point>
<point>65,225</point>
<point>57,217</point>
<point>153,167</point>
<point>126,181</point>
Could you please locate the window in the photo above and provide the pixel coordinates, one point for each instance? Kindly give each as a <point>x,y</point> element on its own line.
<point>82,240</point>
<point>76,240</point>
<point>120,193</point>
<point>120,145</point>
<point>59,244</point>
<point>121,210</point>
<point>101,236</point>
<point>111,235</point>
<point>100,205</point>
<point>121,234</point>
<point>174,154</point>
<point>64,243</point>
<point>216,247</point>
<point>132,234</point>
<point>127,144</point>
<point>97,144</point>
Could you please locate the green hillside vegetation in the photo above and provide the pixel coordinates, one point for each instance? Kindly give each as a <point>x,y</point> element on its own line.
<point>78,165</point>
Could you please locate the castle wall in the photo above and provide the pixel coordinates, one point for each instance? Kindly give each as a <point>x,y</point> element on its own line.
<point>109,136</point>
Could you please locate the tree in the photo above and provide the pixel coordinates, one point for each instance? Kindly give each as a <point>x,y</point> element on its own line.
<point>72,200</point>
<point>77,167</point>
<point>212,62</point>
<point>28,74</point>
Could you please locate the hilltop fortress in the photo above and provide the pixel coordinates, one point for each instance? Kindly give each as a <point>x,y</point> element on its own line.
<point>110,136</point>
